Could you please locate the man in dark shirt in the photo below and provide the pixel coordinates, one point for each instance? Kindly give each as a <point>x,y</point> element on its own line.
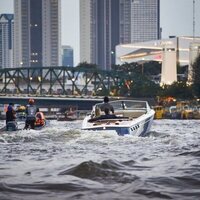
<point>10,114</point>
<point>107,105</point>
<point>30,114</point>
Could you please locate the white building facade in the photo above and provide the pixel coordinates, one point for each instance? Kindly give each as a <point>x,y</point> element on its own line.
<point>172,51</point>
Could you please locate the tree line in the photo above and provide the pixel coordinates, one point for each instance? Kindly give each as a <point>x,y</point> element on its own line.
<point>140,83</point>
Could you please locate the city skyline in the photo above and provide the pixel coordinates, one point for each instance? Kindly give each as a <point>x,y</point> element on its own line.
<point>105,24</point>
<point>176,19</point>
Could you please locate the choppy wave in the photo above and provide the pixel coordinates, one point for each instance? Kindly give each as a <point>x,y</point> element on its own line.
<point>63,162</point>
<point>107,171</point>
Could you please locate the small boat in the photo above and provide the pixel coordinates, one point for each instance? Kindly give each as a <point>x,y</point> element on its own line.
<point>131,117</point>
<point>20,124</point>
<point>66,117</point>
<point>70,114</point>
<point>13,126</point>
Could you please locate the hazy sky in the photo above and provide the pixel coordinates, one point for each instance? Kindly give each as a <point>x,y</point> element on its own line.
<point>176,19</point>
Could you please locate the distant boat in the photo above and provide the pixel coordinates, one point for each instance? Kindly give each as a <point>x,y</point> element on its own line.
<point>131,117</point>
<point>13,126</point>
<point>69,115</point>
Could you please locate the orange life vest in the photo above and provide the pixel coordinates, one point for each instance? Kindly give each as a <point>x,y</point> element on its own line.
<point>40,119</point>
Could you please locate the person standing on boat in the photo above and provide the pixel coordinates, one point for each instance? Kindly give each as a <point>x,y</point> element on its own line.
<point>106,105</point>
<point>10,113</point>
<point>31,110</point>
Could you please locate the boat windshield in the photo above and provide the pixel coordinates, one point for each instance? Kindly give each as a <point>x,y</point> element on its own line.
<point>127,105</point>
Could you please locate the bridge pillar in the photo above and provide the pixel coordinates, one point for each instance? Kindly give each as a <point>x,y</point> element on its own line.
<point>193,53</point>
<point>169,63</point>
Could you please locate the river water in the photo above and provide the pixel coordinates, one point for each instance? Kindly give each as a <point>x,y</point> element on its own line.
<point>63,162</point>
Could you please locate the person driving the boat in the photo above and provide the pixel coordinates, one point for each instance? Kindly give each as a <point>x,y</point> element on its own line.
<point>10,113</point>
<point>108,115</point>
<point>30,114</point>
<point>107,105</point>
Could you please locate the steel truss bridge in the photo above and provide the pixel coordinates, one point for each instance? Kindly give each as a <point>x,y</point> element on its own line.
<point>59,80</point>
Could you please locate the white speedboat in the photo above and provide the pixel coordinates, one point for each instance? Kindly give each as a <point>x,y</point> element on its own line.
<point>131,117</point>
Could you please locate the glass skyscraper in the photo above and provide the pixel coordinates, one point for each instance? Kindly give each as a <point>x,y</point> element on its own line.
<point>145,20</point>
<point>67,56</point>
<point>37,33</point>
<point>6,40</point>
<point>99,31</point>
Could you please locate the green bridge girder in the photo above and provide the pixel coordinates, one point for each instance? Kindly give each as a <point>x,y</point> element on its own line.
<point>59,80</point>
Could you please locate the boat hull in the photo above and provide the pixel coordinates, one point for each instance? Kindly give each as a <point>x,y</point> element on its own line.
<point>140,126</point>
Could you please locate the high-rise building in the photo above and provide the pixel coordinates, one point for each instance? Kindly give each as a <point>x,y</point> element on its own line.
<point>99,27</point>
<point>6,40</point>
<point>107,23</point>
<point>86,33</point>
<point>37,33</point>
<point>125,21</point>
<point>67,56</point>
<point>145,20</point>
